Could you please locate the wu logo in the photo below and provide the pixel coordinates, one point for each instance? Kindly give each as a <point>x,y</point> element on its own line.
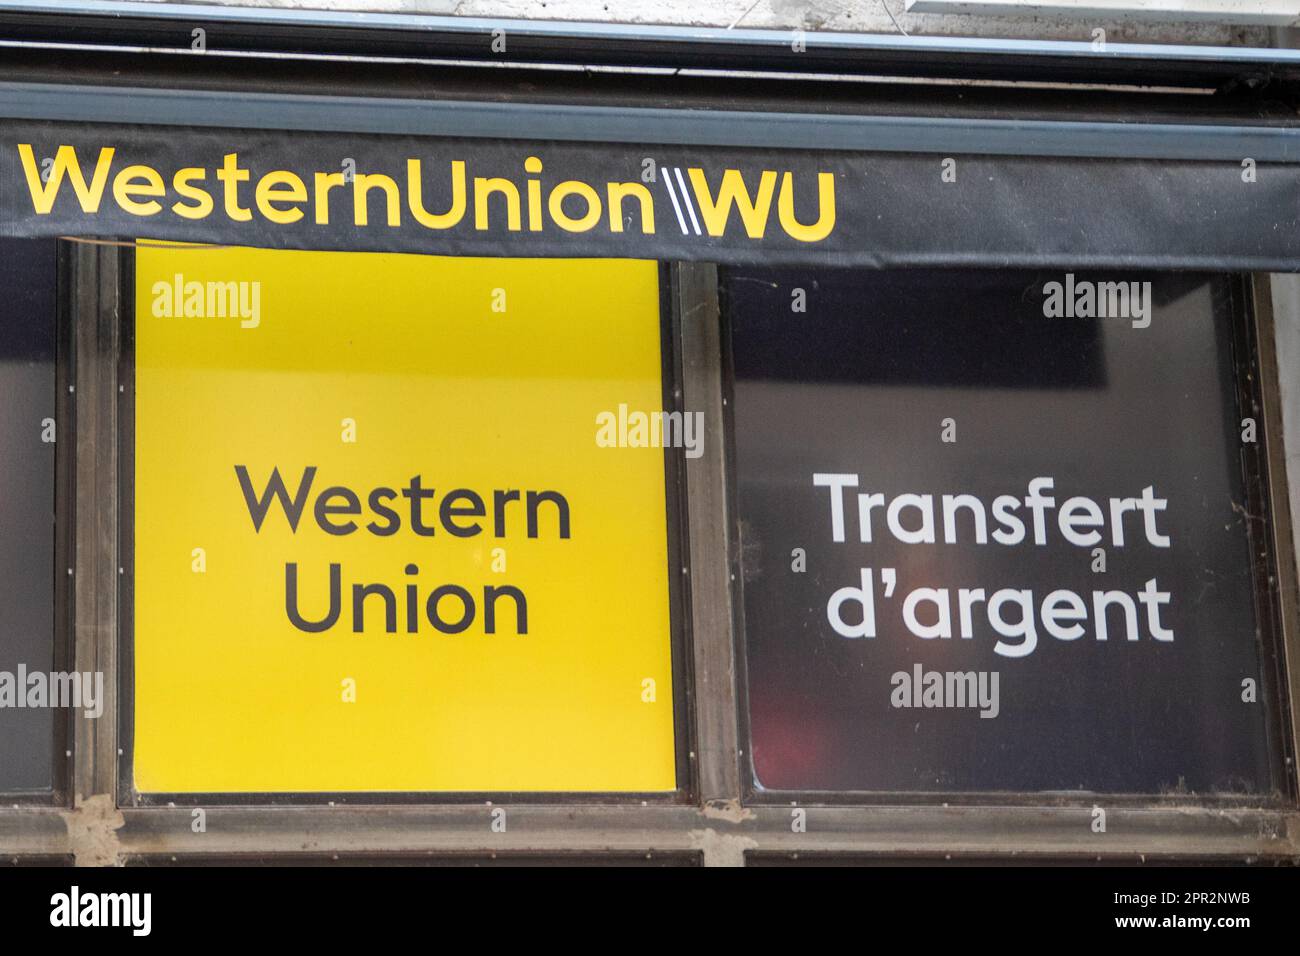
<point>700,210</point>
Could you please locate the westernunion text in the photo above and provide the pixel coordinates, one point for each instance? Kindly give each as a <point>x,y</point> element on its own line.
<point>484,203</point>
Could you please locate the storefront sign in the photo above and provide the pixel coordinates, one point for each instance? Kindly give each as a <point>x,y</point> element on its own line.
<point>467,196</point>
<point>991,543</point>
<point>377,545</point>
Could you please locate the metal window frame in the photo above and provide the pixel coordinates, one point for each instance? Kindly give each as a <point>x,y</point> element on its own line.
<point>248,32</point>
<point>1133,137</point>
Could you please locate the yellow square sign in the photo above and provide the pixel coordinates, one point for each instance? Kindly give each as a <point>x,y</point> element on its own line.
<point>377,545</point>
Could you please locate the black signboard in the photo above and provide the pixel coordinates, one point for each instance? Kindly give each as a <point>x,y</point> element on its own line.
<point>472,196</point>
<point>28,436</point>
<point>995,533</point>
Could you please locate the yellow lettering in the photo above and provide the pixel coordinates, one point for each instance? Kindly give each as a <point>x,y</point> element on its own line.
<point>65,160</point>
<point>362,183</point>
<point>323,184</point>
<point>415,198</point>
<point>231,175</point>
<point>617,192</point>
<point>753,212</point>
<point>138,181</point>
<point>825,209</point>
<point>202,207</point>
<point>267,194</point>
<point>572,187</point>
<point>483,188</point>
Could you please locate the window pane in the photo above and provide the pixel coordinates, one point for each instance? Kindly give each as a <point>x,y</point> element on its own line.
<point>27,442</point>
<point>991,543</point>
<point>377,546</point>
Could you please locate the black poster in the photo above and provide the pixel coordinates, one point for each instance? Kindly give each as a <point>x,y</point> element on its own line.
<point>28,434</point>
<point>993,533</point>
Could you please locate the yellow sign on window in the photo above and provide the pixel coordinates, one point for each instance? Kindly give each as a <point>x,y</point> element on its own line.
<point>377,543</point>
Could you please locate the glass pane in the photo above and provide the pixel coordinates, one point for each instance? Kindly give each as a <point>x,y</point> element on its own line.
<point>28,432</point>
<point>377,546</point>
<point>995,537</point>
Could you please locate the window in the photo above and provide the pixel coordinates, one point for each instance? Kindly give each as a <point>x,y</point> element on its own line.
<point>379,543</point>
<point>1002,532</point>
<point>33,562</point>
